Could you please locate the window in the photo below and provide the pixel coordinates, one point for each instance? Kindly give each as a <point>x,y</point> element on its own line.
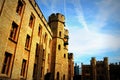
<point>60,34</point>
<point>36,62</point>
<point>35,72</point>
<point>27,44</point>
<point>6,64</point>
<point>23,69</point>
<point>58,76</point>
<point>39,31</point>
<point>59,47</point>
<point>19,9</point>
<point>37,50</point>
<point>13,31</point>
<point>37,53</point>
<point>64,55</point>
<point>45,38</point>
<point>31,21</point>
<point>63,77</point>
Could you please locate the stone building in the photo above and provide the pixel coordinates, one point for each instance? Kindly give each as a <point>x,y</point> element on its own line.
<point>114,71</point>
<point>59,63</point>
<point>77,75</point>
<point>30,48</point>
<point>97,70</point>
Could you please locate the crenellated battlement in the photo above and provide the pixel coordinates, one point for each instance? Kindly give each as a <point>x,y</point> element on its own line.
<point>56,17</point>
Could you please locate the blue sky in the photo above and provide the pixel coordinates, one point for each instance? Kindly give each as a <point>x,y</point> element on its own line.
<point>94,27</point>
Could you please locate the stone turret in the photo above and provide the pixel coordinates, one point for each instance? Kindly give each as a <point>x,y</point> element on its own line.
<point>59,51</point>
<point>57,24</point>
<point>56,17</point>
<point>106,68</point>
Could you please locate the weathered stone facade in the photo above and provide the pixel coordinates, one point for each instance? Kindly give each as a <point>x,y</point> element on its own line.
<point>30,48</point>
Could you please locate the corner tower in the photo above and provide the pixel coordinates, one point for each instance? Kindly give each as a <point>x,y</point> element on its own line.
<point>57,25</point>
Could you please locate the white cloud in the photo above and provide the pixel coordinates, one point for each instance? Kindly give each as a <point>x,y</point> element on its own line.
<point>85,42</point>
<point>91,42</point>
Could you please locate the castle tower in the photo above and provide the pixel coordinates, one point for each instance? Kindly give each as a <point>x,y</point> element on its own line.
<point>106,68</point>
<point>59,61</point>
<point>93,66</point>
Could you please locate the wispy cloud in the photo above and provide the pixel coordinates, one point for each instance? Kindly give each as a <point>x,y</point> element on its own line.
<point>80,14</point>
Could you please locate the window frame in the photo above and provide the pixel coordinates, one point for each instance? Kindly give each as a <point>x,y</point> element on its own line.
<point>31,21</point>
<point>23,68</point>
<point>13,32</point>
<point>7,64</point>
<point>20,7</point>
<point>39,30</point>
<point>28,42</point>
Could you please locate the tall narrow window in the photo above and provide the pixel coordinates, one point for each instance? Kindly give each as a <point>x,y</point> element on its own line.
<point>45,38</point>
<point>60,34</point>
<point>63,77</point>
<point>64,55</point>
<point>13,31</point>
<point>59,47</point>
<point>19,9</point>
<point>27,44</point>
<point>6,63</point>
<point>23,69</point>
<point>31,21</point>
<point>58,75</point>
<point>39,31</point>
<point>35,70</point>
<point>37,50</point>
